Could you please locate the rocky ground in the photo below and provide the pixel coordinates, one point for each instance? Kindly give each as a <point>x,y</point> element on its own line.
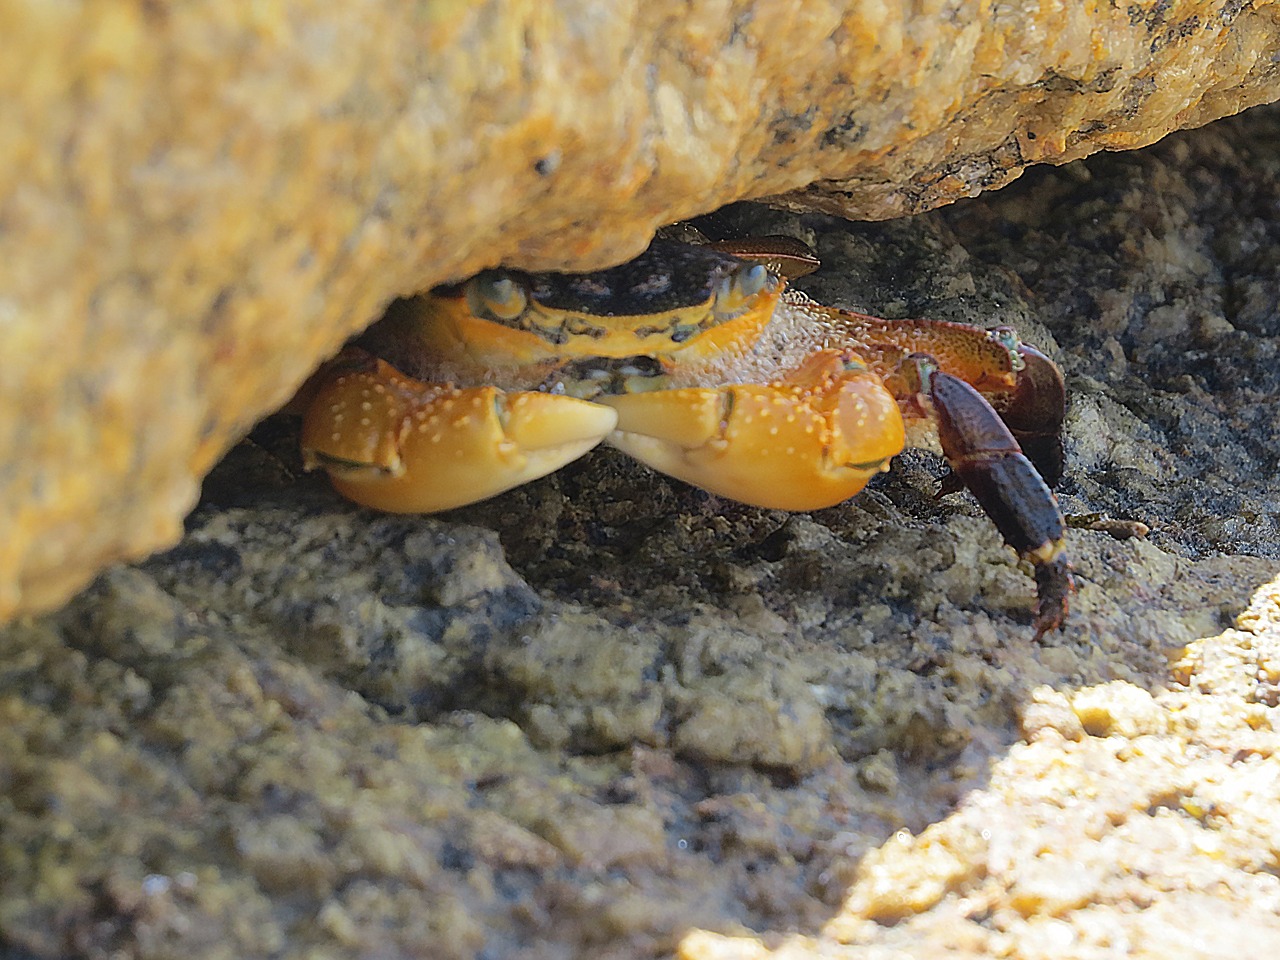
<point>609,715</point>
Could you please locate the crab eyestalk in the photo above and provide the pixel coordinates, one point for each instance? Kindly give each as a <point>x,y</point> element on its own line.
<point>984,455</point>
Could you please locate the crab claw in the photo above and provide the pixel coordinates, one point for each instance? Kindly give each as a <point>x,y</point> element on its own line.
<point>1035,410</point>
<point>405,446</point>
<point>809,440</point>
<point>986,457</point>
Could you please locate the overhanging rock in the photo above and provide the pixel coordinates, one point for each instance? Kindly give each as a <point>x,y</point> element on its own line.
<point>198,202</point>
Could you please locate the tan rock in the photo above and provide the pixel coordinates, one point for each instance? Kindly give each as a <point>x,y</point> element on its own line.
<point>200,201</point>
<point>1050,859</point>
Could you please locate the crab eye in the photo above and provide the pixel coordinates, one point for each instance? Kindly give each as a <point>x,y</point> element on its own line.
<point>751,280</point>
<point>741,285</point>
<point>496,296</point>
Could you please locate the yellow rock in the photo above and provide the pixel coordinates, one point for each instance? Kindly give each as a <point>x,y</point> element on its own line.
<point>200,201</point>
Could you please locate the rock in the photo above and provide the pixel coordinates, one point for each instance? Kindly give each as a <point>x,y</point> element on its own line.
<point>199,203</point>
<point>314,730</point>
<point>1079,846</point>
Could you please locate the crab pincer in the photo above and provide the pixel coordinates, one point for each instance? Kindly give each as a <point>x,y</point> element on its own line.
<point>811,439</point>
<point>984,455</point>
<point>401,445</point>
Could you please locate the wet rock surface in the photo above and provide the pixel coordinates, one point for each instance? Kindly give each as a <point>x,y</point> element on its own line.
<point>609,715</point>
<point>201,202</point>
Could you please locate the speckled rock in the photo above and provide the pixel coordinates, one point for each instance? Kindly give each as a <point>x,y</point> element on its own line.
<point>201,200</point>
<point>606,715</point>
<point>1127,824</point>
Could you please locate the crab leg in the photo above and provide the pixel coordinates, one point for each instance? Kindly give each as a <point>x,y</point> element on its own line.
<point>986,457</point>
<point>984,358</point>
<point>1021,383</point>
<point>809,440</point>
<point>398,444</point>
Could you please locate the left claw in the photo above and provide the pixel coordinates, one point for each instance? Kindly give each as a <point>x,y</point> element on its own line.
<point>808,440</point>
<point>985,456</point>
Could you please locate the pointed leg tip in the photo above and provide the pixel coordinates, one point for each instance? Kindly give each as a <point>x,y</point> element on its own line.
<point>1054,587</point>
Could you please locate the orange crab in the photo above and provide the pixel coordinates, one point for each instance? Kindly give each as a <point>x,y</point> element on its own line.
<point>701,362</point>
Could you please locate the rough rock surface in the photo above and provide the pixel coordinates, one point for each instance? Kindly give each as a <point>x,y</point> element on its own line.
<point>607,715</point>
<point>199,201</point>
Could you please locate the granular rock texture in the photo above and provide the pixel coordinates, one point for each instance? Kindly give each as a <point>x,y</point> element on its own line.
<point>1127,825</point>
<point>606,715</point>
<point>199,201</point>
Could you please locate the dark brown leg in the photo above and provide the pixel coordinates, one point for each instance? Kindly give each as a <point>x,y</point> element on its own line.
<point>984,455</point>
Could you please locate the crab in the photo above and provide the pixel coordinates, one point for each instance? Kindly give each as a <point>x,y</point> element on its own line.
<point>701,361</point>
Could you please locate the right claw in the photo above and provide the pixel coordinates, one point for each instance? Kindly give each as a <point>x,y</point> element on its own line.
<point>809,440</point>
<point>405,446</point>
